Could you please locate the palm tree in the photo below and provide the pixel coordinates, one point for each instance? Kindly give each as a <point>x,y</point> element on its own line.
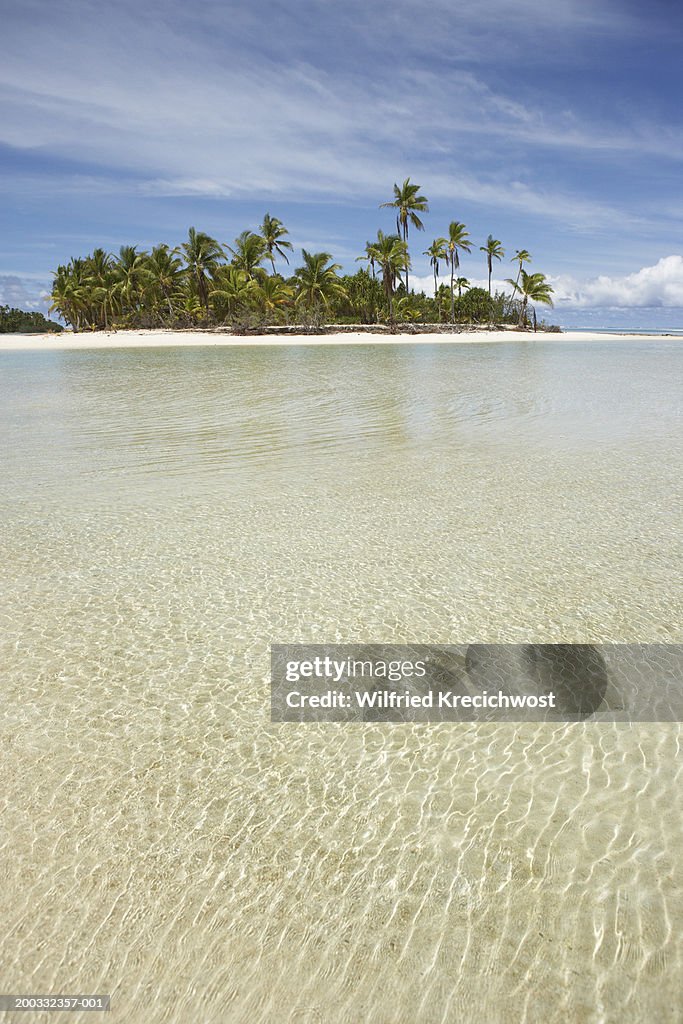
<point>436,251</point>
<point>521,256</point>
<point>203,255</point>
<point>100,276</point>
<point>408,203</point>
<point>232,291</point>
<point>249,253</point>
<point>165,275</point>
<point>458,240</point>
<point>391,253</point>
<point>461,283</point>
<point>532,287</point>
<point>317,281</point>
<point>494,251</point>
<point>130,277</point>
<point>369,257</point>
<point>408,309</point>
<point>273,295</point>
<point>273,232</point>
<point>70,293</point>
<point>190,308</point>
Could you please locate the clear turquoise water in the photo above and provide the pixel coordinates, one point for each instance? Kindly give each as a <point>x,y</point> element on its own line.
<point>166,515</point>
<point>125,422</point>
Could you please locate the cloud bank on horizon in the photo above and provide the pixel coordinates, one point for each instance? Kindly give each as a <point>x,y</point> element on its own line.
<point>556,127</point>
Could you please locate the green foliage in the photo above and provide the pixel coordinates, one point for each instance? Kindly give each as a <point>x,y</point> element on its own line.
<point>390,254</point>
<point>531,287</point>
<point>249,253</point>
<point>458,241</point>
<point>317,284</point>
<point>200,284</point>
<point>493,251</point>
<point>19,321</point>
<point>363,300</point>
<point>474,306</point>
<point>273,233</point>
<point>408,203</point>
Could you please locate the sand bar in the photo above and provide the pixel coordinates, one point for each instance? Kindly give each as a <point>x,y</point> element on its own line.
<point>166,338</point>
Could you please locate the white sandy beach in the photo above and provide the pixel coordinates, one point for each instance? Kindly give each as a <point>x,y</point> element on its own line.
<point>167,338</point>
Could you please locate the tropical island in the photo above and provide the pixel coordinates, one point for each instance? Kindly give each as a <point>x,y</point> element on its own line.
<point>203,284</point>
<point>20,321</point>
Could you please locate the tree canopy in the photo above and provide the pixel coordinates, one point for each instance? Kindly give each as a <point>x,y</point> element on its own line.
<point>19,321</point>
<point>204,282</point>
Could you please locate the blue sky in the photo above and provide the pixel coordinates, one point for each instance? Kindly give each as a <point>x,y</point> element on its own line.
<point>556,126</point>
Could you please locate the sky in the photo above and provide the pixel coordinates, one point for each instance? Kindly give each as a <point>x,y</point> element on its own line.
<point>555,126</point>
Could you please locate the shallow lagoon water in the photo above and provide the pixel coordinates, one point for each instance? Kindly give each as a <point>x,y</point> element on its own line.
<point>169,513</point>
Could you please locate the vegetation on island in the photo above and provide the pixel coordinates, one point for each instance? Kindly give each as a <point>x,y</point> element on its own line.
<point>204,283</point>
<point>19,321</point>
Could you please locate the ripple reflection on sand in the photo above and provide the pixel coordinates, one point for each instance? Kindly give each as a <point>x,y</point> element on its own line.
<point>164,842</point>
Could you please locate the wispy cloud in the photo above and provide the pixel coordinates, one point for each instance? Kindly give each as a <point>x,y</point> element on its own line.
<point>195,116</point>
<point>517,107</point>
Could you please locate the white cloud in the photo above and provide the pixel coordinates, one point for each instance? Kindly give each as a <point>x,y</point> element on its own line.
<point>425,283</point>
<point>22,293</point>
<point>657,286</point>
<point>660,285</point>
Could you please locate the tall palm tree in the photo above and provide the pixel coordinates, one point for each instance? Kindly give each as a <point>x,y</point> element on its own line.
<point>317,281</point>
<point>436,251</point>
<point>368,258</point>
<point>532,287</point>
<point>249,253</point>
<point>70,293</point>
<point>100,276</point>
<point>458,241</point>
<point>390,252</point>
<point>203,255</point>
<point>494,251</point>
<point>130,278</point>
<point>408,203</point>
<point>165,275</point>
<point>521,256</point>
<point>273,232</point>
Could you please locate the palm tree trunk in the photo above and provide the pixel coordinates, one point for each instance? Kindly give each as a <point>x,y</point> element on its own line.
<point>388,289</point>
<point>519,272</point>
<point>203,294</point>
<point>405,239</point>
<point>452,294</point>
<point>522,315</point>
<point>490,269</point>
<point>168,303</point>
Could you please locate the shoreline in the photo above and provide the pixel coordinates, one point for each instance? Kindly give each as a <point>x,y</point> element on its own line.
<point>162,338</point>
